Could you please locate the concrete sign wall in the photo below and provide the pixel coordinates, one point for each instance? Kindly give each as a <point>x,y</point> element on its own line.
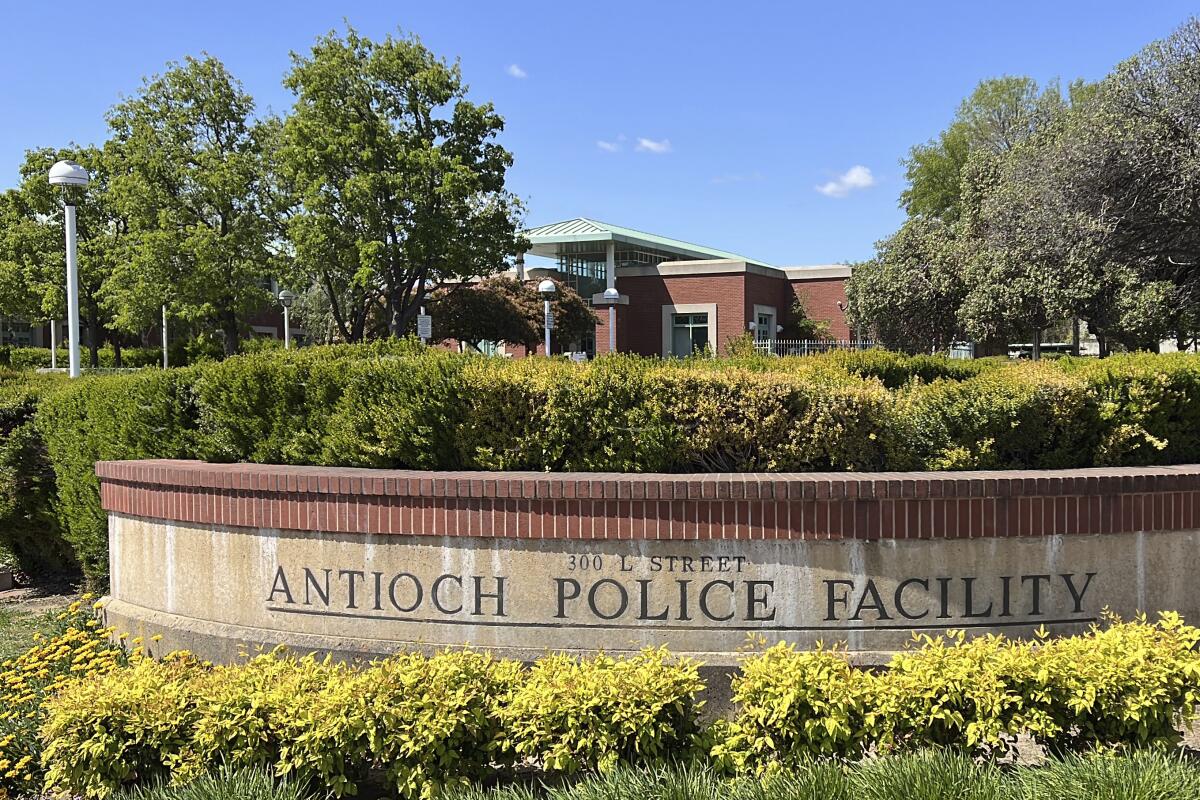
<point>219,557</point>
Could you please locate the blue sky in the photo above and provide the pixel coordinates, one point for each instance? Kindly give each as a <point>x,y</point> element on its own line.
<point>716,122</point>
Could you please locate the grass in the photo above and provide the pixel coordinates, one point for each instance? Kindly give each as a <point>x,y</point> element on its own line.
<point>931,775</point>
<point>225,784</point>
<point>19,624</point>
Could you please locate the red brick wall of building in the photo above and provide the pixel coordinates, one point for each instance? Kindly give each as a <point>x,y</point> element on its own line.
<point>642,331</point>
<point>821,297</point>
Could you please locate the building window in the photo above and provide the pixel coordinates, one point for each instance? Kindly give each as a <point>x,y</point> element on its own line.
<point>689,333</point>
<point>764,327</point>
<point>764,323</point>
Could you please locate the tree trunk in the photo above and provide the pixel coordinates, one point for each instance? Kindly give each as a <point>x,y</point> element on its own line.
<point>93,339</point>
<point>1037,345</point>
<point>229,327</point>
<point>1102,344</point>
<point>1075,337</point>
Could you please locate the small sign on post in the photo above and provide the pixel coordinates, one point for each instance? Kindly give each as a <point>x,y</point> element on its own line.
<point>549,320</point>
<point>424,326</point>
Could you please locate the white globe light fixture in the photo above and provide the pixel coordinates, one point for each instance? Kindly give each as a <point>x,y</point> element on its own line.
<point>68,173</point>
<point>287,300</point>
<point>612,297</point>
<point>548,290</point>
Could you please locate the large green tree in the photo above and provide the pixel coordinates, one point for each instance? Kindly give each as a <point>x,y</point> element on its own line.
<point>188,171</point>
<point>1104,207</point>
<point>397,179</point>
<point>103,242</point>
<point>503,309</point>
<point>909,294</point>
<point>997,116</point>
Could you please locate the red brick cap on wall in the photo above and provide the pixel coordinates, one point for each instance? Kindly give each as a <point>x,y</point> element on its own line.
<point>885,505</point>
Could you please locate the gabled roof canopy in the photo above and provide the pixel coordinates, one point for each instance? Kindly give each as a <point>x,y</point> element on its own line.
<point>549,241</point>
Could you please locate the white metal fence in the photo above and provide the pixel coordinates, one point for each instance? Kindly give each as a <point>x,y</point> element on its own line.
<point>804,347</point>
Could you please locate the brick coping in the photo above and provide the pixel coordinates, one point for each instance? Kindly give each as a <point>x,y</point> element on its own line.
<point>884,505</point>
<point>650,486</point>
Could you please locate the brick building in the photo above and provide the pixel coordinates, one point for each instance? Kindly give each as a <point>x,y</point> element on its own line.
<point>676,296</point>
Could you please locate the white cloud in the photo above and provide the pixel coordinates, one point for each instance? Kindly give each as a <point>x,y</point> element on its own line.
<point>515,71</point>
<point>857,177</point>
<point>656,146</point>
<point>611,145</point>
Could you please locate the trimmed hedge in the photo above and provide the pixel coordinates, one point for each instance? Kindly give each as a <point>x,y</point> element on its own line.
<point>453,719</point>
<point>399,405</point>
<point>30,358</point>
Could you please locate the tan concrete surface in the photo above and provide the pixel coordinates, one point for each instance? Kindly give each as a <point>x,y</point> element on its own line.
<point>218,591</point>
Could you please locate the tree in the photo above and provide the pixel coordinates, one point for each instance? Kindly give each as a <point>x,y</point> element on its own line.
<point>489,311</point>
<point>397,178</point>
<point>188,172</point>
<point>26,246</point>
<point>909,294</point>
<point>503,309</point>
<point>102,235</point>
<point>998,115</point>
<point>799,325</point>
<point>1099,216</point>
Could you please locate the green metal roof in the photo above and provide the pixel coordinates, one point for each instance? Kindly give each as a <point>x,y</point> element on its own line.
<point>545,238</point>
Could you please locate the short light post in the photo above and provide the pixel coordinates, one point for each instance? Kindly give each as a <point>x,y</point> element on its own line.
<point>548,290</point>
<point>286,299</point>
<point>65,174</point>
<point>612,297</point>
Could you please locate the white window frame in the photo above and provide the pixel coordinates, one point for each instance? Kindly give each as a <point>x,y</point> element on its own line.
<point>668,324</point>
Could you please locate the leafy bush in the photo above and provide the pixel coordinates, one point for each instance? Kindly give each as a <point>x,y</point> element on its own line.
<point>1129,684</point>
<point>428,722</point>
<point>142,415</point>
<point>30,358</point>
<point>1034,417</point>
<point>951,691</point>
<point>117,726</point>
<point>1125,685</point>
<point>77,647</point>
<point>29,528</point>
<point>1148,408</point>
<point>794,706</point>
<point>397,404</point>
<point>572,714</point>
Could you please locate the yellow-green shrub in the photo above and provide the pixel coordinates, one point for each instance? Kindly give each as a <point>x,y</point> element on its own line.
<point>1028,416</point>
<point>240,708</point>
<point>1129,684</point>
<point>78,647</point>
<point>1148,407</point>
<point>107,729</point>
<point>573,714</point>
<point>950,691</point>
<point>435,721</point>
<point>794,705</point>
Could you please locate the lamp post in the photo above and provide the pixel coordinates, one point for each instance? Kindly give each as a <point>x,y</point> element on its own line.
<point>286,299</point>
<point>548,290</point>
<point>68,173</point>
<point>612,297</point>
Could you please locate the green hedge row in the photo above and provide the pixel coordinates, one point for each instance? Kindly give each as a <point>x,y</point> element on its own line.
<point>400,405</point>
<point>29,358</point>
<point>459,717</point>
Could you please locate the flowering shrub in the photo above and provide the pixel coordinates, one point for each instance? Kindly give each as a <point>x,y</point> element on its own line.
<point>77,647</point>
